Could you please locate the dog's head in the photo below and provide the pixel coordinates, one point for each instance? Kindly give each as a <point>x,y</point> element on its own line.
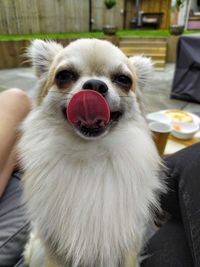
<point>89,64</point>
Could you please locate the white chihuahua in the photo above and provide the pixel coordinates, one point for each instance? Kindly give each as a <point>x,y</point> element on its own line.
<point>90,188</point>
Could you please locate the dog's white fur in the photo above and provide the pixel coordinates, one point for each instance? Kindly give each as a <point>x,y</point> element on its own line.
<point>89,200</point>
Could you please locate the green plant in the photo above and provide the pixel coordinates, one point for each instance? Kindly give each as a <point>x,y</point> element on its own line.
<point>109,3</point>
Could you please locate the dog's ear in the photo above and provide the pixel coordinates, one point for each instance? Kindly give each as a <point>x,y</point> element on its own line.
<point>143,67</point>
<point>41,53</point>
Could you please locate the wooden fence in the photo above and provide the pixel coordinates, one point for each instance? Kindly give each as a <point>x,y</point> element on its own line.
<point>101,16</point>
<point>43,16</point>
<point>58,16</point>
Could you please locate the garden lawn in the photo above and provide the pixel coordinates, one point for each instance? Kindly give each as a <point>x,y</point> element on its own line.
<point>11,37</point>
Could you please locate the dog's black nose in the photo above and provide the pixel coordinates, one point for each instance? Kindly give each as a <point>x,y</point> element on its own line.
<point>96,85</point>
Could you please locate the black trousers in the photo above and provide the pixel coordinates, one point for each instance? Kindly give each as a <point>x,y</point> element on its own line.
<point>177,242</point>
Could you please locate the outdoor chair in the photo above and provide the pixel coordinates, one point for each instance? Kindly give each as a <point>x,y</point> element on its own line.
<point>150,19</point>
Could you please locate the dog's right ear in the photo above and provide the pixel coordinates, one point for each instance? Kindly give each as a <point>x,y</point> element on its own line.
<point>41,53</point>
<point>143,67</point>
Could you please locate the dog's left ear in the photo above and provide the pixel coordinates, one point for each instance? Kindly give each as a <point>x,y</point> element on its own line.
<point>41,53</point>
<point>143,67</point>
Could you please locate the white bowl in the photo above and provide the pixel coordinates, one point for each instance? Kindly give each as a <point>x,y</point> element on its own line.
<point>184,130</point>
<point>159,127</point>
<point>159,117</point>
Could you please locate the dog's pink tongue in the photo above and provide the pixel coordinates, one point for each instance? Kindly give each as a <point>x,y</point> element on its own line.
<point>88,108</point>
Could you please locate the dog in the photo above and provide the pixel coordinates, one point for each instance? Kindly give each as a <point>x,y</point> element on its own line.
<point>90,188</point>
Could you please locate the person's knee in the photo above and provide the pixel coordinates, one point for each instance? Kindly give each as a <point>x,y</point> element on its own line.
<point>19,100</point>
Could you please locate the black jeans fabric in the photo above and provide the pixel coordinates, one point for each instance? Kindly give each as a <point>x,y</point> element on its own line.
<point>177,242</point>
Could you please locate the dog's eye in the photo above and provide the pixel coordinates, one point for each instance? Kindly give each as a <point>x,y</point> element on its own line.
<point>64,77</point>
<point>123,81</point>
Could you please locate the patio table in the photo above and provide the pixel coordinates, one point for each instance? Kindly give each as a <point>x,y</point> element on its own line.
<point>174,144</point>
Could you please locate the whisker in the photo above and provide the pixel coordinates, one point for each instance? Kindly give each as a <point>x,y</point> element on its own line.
<point>60,93</point>
<point>68,96</point>
<point>74,93</point>
<point>124,96</point>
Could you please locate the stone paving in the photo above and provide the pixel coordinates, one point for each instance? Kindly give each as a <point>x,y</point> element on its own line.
<point>156,95</point>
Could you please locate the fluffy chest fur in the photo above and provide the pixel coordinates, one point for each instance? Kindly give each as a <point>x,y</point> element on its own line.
<point>89,201</point>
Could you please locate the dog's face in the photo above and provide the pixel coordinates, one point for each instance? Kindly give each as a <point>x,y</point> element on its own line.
<point>88,64</point>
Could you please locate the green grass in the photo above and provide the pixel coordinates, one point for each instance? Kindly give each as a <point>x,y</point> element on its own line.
<point>191,31</point>
<point>13,37</point>
<point>150,32</point>
<point>144,33</point>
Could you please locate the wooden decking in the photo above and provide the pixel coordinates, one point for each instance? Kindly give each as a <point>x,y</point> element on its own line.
<point>160,49</point>
<point>153,47</point>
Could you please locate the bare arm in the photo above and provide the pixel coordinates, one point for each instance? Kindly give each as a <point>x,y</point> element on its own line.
<point>14,106</point>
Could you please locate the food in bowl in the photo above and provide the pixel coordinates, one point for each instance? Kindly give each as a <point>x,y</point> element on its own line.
<point>177,127</point>
<point>179,115</point>
<point>184,130</point>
